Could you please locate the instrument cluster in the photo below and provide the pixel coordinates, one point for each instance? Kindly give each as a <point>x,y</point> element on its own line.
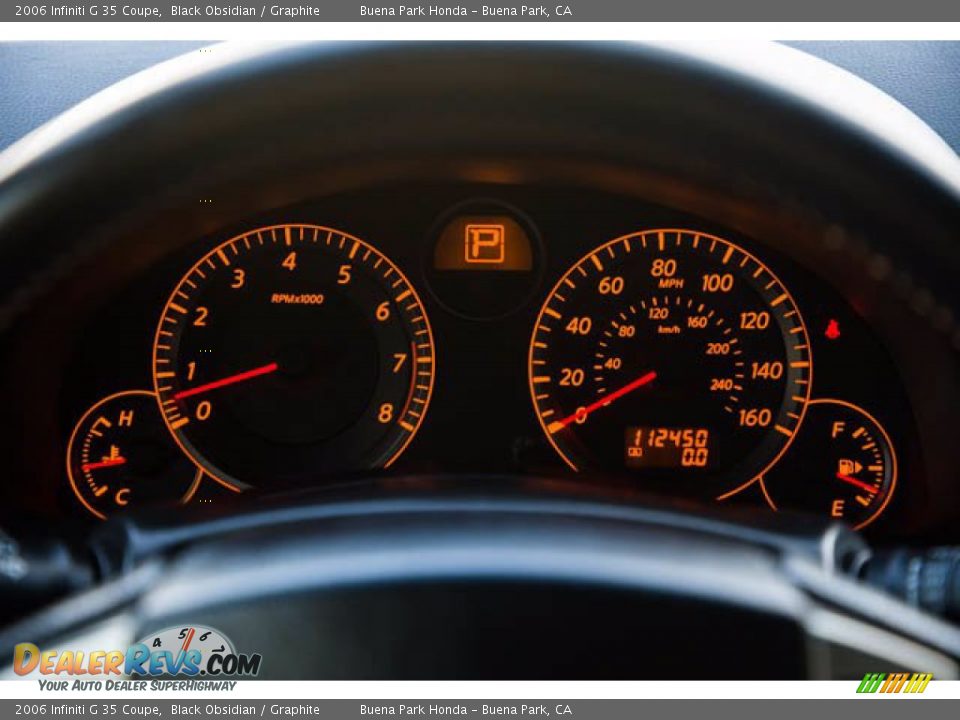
<point>489,330</point>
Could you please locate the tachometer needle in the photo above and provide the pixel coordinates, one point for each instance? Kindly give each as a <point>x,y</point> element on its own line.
<point>557,425</point>
<point>224,382</point>
<point>103,464</point>
<point>853,481</point>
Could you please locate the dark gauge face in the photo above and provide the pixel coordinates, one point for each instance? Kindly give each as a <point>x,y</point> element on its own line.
<point>292,352</point>
<point>670,356</point>
<point>120,455</point>
<point>849,466</point>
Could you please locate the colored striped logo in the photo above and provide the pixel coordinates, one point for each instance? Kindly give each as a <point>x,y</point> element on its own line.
<point>894,682</point>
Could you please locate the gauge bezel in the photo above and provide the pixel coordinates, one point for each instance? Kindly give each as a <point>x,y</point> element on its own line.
<point>409,426</point>
<point>891,452</point>
<point>183,500</point>
<point>661,232</point>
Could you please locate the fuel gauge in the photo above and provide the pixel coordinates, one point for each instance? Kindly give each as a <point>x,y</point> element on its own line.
<point>121,455</point>
<point>842,464</point>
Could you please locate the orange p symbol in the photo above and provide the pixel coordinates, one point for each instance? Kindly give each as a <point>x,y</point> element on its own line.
<point>484,244</point>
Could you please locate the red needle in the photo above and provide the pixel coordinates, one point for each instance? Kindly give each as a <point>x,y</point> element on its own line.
<point>223,382</point>
<point>606,400</point>
<point>105,463</point>
<point>187,640</point>
<point>853,481</point>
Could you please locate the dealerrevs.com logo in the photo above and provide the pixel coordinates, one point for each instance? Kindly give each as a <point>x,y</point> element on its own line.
<point>894,683</point>
<point>189,651</point>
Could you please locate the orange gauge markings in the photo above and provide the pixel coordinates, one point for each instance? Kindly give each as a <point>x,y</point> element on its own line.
<point>670,355</point>
<point>849,466</point>
<point>291,353</point>
<point>114,461</point>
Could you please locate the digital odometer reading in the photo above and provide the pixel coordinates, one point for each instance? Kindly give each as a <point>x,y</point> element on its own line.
<point>670,330</point>
<point>290,353</point>
<point>666,447</point>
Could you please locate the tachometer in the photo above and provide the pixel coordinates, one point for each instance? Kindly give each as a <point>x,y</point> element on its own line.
<point>674,356</point>
<point>291,352</point>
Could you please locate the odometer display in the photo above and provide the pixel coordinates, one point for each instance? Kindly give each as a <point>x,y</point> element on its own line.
<point>290,353</point>
<point>667,447</point>
<point>672,356</point>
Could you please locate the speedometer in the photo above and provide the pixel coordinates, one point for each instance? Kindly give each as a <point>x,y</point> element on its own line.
<point>671,356</point>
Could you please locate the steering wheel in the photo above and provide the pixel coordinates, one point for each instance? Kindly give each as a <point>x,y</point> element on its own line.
<point>474,577</point>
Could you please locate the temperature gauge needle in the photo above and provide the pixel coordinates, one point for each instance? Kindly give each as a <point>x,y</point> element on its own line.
<point>605,400</point>
<point>103,464</point>
<point>224,382</point>
<point>853,481</point>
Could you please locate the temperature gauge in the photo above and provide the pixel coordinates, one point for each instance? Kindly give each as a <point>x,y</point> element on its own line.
<point>121,455</point>
<point>849,467</point>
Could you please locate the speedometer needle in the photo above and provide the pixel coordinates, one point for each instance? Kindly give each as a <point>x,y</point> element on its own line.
<point>605,400</point>
<point>224,382</point>
<point>853,481</point>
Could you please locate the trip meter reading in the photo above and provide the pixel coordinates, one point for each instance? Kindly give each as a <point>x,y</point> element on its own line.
<point>293,352</point>
<point>672,356</point>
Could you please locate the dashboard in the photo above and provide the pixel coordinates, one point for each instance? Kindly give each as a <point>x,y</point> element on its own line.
<point>420,329</point>
<point>519,320</point>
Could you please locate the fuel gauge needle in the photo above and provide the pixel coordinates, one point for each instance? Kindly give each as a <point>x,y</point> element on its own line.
<point>858,483</point>
<point>103,464</point>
